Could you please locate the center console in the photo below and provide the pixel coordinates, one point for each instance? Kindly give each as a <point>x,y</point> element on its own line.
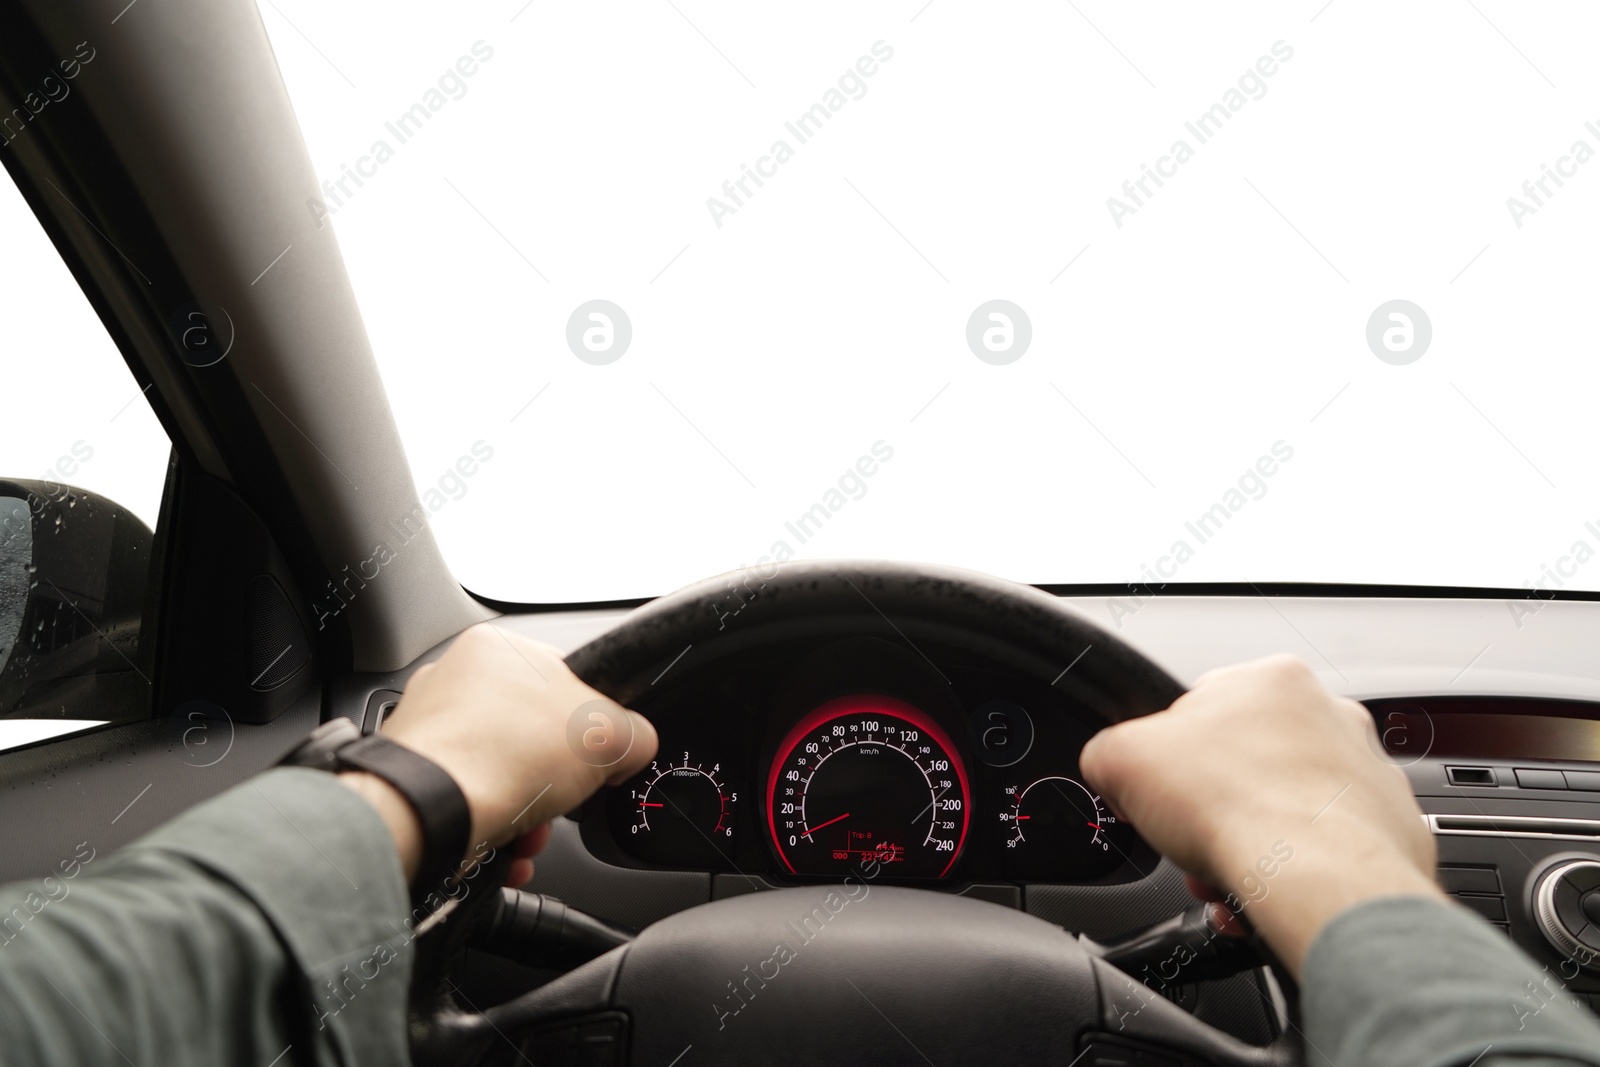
<point>1510,788</point>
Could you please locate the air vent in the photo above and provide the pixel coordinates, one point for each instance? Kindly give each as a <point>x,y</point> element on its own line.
<point>1514,826</point>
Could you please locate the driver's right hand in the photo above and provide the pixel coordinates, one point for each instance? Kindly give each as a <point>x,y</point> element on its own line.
<point>1262,784</point>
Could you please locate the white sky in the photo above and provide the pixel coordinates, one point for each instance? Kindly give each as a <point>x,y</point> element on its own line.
<point>830,311</point>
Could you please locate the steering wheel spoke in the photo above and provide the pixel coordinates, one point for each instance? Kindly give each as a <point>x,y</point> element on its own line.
<point>1135,1017</point>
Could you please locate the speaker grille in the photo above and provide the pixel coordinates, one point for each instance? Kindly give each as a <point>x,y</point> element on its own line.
<point>276,646</point>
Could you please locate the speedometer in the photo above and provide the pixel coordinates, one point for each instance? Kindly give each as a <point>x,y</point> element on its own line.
<point>868,779</point>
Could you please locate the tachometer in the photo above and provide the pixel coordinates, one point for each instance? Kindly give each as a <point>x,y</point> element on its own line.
<point>683,797</point>
<point>868,779</point>
<point>681,812</point>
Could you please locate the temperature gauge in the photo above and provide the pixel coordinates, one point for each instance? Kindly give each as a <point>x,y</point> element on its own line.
<point>682,813</point>
<point>1057,825</point>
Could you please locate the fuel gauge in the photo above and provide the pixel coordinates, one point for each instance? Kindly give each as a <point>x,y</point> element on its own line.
<point>1056,824</point>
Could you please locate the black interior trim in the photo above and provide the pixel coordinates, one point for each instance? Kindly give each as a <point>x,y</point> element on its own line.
<point>1318,589</point>
<point>68,142</point>
<point>1168,589</point>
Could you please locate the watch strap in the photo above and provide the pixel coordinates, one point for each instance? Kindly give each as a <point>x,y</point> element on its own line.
<point>440,805</point>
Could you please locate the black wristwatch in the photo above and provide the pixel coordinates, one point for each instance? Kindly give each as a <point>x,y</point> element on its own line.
<point>339,745</point>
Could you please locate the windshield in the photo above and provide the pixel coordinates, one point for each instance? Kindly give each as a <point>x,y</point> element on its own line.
<point>1070,293</point>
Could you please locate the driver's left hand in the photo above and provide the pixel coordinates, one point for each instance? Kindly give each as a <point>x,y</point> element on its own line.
<point>523,737</point>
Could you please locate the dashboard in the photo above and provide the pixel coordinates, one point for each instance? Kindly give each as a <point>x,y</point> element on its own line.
<point>861,762</point>
<point>863,759</point>
<point>859,757</point>
<point>1508,779</point>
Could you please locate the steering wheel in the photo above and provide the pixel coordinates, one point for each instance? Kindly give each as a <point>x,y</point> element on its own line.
<point>856,973</point>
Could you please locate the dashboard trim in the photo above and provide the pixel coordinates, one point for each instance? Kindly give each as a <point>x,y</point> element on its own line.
<point>1533,826</point>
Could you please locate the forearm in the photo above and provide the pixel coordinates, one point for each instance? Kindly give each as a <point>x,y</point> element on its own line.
<point>156,963</point>
<point>1293,878</point>
<point>1415,981</point>
<point>267,919</point>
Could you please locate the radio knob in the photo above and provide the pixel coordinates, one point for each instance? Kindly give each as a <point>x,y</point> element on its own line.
<point>1566,908</point>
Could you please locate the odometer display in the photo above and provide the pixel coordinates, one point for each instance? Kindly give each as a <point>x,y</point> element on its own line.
<point>863,780</point>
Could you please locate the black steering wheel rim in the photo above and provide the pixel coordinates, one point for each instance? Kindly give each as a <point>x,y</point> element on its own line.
<point>917,958</point>
<point>1014,625</point>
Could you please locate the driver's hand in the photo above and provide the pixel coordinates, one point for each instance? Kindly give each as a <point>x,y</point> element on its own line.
<point>1260,783</point>
<point>494,712</point>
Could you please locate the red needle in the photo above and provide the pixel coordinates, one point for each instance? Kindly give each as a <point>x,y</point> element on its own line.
<point>830,822</point>
<point>1092,825</point>
<point>647,805</point>
<point>1023,818</point>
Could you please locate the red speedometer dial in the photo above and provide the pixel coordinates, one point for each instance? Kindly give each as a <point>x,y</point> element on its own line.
<point>867,780</point>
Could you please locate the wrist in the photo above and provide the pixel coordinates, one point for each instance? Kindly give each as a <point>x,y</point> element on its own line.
<point>1320,881</point>
<point>397,814</point>
<point>428,816</point>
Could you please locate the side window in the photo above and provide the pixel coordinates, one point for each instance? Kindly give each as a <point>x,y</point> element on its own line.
<point>83,462</point>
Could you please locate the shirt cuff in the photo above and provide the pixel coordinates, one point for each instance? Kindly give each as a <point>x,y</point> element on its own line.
<point>320,864</point>
<point>1417,981</point>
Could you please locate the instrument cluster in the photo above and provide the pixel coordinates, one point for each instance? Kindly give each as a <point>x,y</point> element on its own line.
<point>865,757</point>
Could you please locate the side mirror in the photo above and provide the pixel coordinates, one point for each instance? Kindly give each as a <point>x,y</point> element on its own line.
<point>74,568</point>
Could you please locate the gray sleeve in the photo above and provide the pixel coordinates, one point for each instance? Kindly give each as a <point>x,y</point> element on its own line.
<point>1421,983</point>
<point>266,926</point>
